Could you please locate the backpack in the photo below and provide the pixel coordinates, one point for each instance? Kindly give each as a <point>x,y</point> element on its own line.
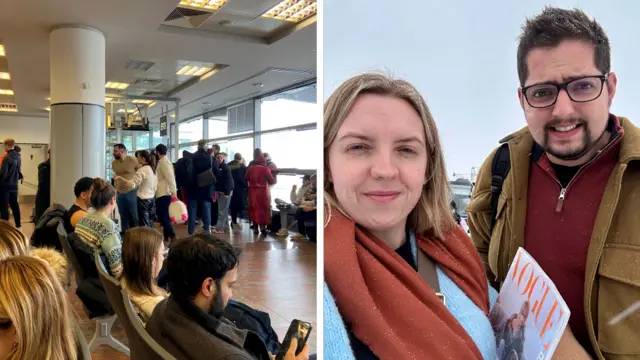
<point>499,169</point>
<point>248,318</point>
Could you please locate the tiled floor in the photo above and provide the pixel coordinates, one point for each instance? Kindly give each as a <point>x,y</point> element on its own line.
<point>276,276</point>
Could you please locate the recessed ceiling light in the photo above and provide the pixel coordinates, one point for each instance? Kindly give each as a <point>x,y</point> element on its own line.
<point>116,85</point>
<point>190,70</point>
<point>211,5</point>
<point>6,92</point>
<point>2,51</point>
<point>5,76</point>
<point>173,115</point>
<point>292,10</point>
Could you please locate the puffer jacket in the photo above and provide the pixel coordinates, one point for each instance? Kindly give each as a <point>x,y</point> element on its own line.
<point>612,281</point>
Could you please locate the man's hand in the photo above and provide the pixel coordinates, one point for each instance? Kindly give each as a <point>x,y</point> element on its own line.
<point>291,353</point>
<point>298,202</point>
<point>174,197</point>
<point>569,348</point>
<point>294,188</point>
<point>226,197</point>
<point>117,177</point>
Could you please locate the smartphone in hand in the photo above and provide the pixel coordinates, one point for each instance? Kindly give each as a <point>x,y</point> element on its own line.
<point>299,330</point>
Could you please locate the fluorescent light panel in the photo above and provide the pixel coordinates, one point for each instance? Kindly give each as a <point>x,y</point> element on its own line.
<point>211,5</point>
<point>116,85</point>
<point>5,76</point>
<point>6,92</point>
<point>7,107</point>
<point>190,70</point>
<point>140,101</point>
<point>2,50</point>
<point>292,10</point>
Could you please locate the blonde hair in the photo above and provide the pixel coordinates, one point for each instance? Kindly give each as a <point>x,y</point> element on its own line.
<point>12,241</point>
<point>32,299</point>
<point>432,215</point>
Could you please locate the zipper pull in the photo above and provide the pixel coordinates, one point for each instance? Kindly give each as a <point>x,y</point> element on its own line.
<point>560,200</point>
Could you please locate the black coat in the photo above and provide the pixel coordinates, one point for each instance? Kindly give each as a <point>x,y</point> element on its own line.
<point>201,163</point>
<point>225,182</point>
<point>10,171</point>
<point>239,198</point>
<point>43,196</point>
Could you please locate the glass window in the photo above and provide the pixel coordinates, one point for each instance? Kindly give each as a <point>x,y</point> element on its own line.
<point>289,108</point>
<point>127,140</point>
<point>291,149</point>
<point>190,131</point>
<point>142,141</point>
<point>217,123</point>
<point>282,189</point>
<point>243,146</point>
<point>157,139</point>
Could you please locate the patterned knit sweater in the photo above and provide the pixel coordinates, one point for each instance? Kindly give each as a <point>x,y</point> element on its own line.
<point>100,233</point>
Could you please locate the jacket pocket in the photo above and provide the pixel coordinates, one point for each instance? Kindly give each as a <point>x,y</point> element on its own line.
<point>499,247</point>
<point>619,290</point>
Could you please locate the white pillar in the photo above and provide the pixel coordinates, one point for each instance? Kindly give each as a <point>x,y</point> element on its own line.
<point>78,124</point>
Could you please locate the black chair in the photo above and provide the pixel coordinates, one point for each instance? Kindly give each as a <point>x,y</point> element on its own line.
<point>90,292</point>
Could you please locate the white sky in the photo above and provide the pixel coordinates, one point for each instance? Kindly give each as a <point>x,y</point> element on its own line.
<point>461,55</point>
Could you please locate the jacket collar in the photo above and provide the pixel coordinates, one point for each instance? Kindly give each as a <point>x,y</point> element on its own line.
<point>216,327</point>
<point>629,144</point>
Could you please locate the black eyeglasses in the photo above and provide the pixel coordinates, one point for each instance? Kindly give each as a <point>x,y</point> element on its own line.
<point>584,89</point>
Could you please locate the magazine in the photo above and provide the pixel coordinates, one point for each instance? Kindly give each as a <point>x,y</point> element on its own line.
<point>529,316</point>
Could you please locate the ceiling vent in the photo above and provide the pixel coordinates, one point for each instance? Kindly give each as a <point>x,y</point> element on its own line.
<point>139,65</point>
<point>179,13</point>
<point>147,82</point>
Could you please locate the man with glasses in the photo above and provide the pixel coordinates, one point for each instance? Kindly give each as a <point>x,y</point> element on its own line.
<point>569,190</point>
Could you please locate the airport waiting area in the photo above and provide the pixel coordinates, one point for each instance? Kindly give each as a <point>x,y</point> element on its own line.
<point>155,180</point>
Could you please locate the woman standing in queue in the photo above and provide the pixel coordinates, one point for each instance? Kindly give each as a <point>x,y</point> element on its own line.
<point>146,181</point>
<point>259,178</point>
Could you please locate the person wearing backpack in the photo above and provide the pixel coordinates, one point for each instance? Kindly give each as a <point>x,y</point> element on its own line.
<point>565,188</point>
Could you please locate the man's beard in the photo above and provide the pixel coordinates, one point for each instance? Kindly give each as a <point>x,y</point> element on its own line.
<point>217,305</point>
<point>571,154</point>
<point>117,156</point>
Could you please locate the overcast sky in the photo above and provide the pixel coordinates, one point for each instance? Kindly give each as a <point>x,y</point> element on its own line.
<point>461,55</point>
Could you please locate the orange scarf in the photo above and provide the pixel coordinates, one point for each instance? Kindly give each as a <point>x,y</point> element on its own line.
<point>385,302</point>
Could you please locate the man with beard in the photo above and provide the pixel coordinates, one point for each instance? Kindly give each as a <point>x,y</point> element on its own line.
<point>189,324</point>
<point>570,196</point>
<point>125,167</point>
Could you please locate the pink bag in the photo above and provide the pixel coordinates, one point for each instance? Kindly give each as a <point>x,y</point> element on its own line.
<point>178,212</point>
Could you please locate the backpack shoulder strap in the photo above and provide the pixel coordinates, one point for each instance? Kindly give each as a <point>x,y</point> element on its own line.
<point>499,170</point>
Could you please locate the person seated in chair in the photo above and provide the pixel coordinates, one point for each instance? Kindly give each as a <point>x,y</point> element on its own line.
<point>307,211</point>
<point>80,208</point>
<point>190,324</point>
<point>296,197</point>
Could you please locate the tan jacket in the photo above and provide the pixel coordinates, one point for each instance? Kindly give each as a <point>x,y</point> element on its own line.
<point>612,281</point>
<point>126,168</point>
